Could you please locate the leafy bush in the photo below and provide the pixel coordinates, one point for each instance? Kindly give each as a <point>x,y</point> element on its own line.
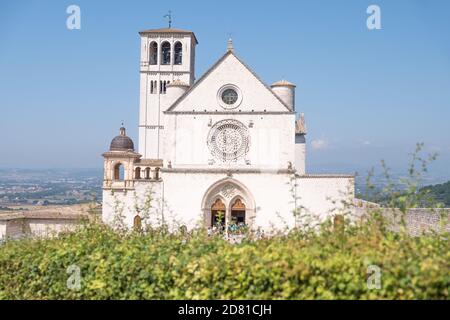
<point>330,264</point>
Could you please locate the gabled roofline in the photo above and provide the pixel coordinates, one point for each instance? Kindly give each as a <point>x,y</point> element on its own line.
<point>211,69</point>
<point>262,82</point>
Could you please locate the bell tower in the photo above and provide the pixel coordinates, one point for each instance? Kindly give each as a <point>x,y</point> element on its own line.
<point>167,55</point>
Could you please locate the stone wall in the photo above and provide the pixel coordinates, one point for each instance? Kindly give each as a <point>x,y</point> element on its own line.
<point>185,197</point>
<point>420,220</point>
<point>417,221</point>
<point>17,226</point>
<point>45,222</point>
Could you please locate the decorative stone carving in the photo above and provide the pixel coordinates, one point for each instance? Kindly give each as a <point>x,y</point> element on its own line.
<point>238,205</point>
<point>228,190</point>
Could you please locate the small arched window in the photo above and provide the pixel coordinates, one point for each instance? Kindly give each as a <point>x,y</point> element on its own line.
<point>165,53</point>
<point>137,173</point>
<point>118,172</point>
<point>178,53</point>
<point>156,173</point>
<point>153,53</point>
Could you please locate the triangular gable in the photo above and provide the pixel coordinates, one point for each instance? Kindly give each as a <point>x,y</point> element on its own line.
<point>229,69</point>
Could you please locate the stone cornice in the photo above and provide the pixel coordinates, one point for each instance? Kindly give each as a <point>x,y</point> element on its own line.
<point>229,112</point>
<point>149,162</point>
<point>228,171</point>
<point>145,69</point>
<point>121,154</point>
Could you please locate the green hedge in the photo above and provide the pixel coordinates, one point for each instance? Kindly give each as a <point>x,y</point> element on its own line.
<point>324,265</point>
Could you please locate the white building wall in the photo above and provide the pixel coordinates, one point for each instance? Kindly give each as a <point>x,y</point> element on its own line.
<point>323,196</point>
<point>271,140</point>
<point>275,197</point>
<point>300,154</point>
<point>146,198</point>
<point>184,193</point>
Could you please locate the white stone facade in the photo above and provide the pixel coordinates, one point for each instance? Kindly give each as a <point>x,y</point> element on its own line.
<point>225,144</point>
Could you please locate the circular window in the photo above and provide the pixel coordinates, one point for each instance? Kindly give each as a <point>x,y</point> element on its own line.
<point>228,140</point>
<point>229,96</point>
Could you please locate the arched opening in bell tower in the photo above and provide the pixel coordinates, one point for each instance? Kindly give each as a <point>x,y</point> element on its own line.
<point>178,53</point>
<point>153,53</point>
<point>119,172</point>
<point>165,53</point>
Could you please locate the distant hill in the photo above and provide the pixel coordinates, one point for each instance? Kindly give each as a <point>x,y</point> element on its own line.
<point>440,192</point>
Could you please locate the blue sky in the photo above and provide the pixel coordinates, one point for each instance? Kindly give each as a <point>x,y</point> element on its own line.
<point>366,94</point>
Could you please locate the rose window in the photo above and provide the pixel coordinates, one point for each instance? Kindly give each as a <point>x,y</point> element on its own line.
<point>228,140</point>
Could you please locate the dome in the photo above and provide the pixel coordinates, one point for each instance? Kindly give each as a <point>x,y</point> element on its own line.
<point>122,142</point>
<point>283,83</point>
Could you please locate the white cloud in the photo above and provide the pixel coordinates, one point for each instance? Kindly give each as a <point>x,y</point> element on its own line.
<point>319,144</point>
<point>366,143</point>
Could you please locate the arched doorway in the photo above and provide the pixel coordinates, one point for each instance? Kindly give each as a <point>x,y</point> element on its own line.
<point>238,212</point>
<point>137,223</point>
<point>232,198</point>
<point>218,211</point>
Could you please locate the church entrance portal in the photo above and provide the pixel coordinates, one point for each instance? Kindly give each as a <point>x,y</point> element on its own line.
<point>228,204</point>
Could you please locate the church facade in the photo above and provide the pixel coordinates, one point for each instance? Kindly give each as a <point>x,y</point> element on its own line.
<point>225,149</point>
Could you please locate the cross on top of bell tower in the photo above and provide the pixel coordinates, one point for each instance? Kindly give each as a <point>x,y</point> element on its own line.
<point>169,18</point>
